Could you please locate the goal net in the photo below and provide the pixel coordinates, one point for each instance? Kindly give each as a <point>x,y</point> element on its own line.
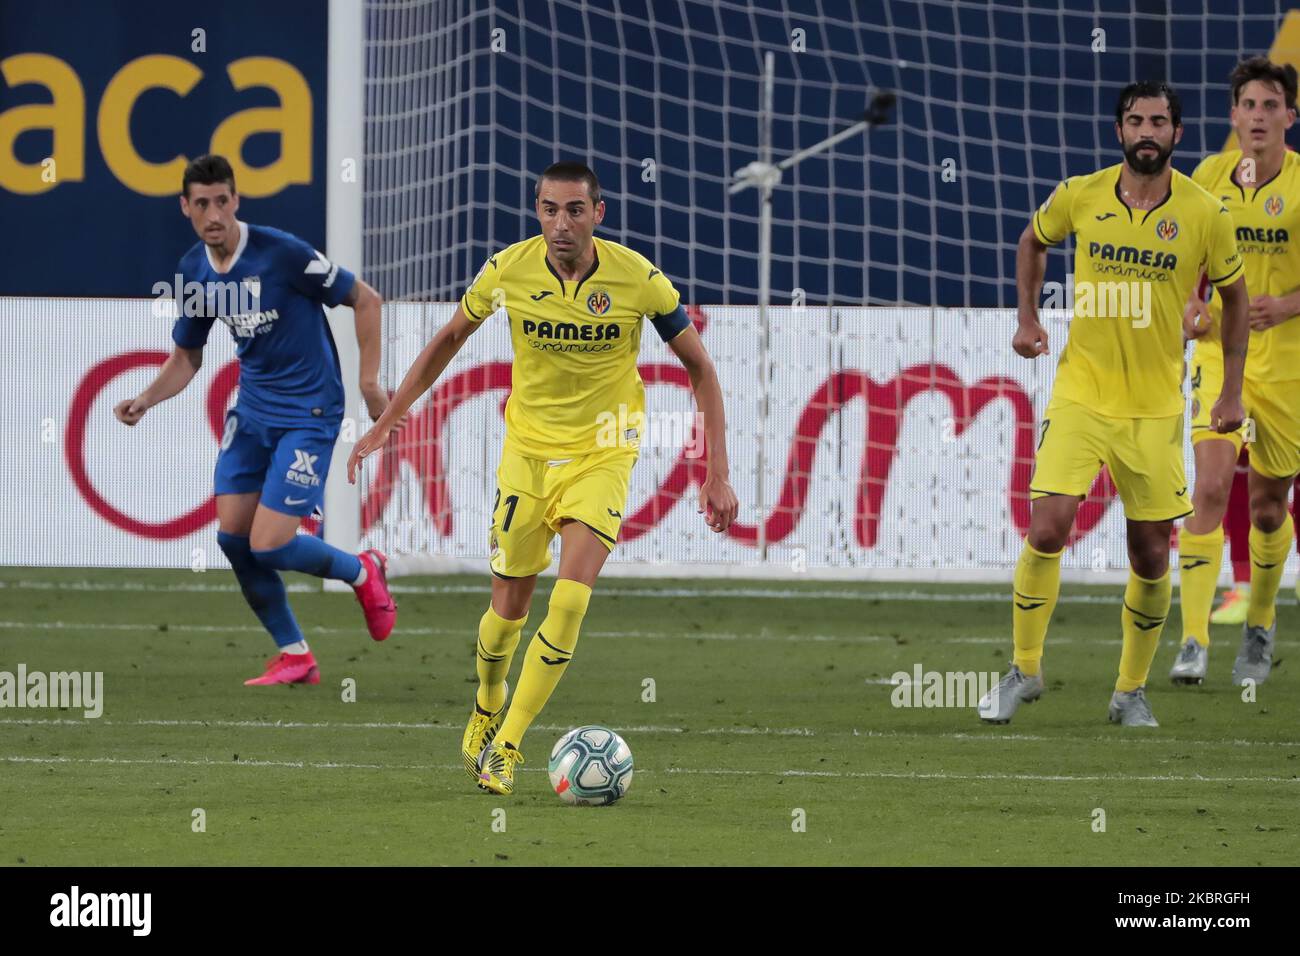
<point>893,433</point>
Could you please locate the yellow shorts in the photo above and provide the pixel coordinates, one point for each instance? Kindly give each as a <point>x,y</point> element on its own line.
<point>1272,431</point>
<point>1207,383</point>
<point>1144,455</point>
<point>534,495</point>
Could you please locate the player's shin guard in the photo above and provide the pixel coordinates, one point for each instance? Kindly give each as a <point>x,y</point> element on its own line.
<point>497,640</point>
<point>311,555</point>
<point>263,590</point>
<point>547,658</point>
<point>1037,585</point>
<point>1268,554</point>
<point>1146,606</point>
<point>1199,558</point>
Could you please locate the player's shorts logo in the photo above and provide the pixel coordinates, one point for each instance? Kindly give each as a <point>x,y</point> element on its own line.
<point>1167,229</point>
<point>1273,205</point>
<point>598,302</point>
<point>303,470</point>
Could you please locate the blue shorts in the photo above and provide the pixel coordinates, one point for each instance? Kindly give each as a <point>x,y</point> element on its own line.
<point>287,465</point>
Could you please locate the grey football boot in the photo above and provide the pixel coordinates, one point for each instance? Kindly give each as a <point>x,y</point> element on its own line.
<point>1190,666</point>
<point>1130,709</point>
<point>997,706</point>
<point>1255,658</point>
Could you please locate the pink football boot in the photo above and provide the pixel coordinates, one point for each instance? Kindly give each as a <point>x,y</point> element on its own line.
<point>376,601</point>
<point>288,669</point>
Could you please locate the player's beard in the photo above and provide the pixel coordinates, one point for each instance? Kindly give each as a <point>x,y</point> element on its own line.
<point>1147,165</point>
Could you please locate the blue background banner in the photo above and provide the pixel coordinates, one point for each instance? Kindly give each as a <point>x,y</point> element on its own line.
<point>132,90</point>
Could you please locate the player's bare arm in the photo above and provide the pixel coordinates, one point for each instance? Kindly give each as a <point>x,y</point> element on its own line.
<point>428,365</point>
<point>1267,311</point>
<point>1228,412</point>
<point>718,501</point>
<point>367,306</point>
<point>1030,340</point>
<point>177,372</point>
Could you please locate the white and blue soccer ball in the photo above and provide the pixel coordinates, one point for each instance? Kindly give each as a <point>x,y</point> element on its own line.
<point>591,766</point>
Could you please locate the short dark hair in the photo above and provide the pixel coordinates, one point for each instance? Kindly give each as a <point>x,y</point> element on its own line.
<point>1278,76</point>
<point>1149,88</point>
<point>207,170</point>
<point>571,172</point>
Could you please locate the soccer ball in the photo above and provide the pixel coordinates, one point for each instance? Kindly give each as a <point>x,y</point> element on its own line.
<point>591,766</point>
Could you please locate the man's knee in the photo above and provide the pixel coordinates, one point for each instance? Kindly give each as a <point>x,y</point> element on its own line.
<point>1148,554</point>
<point>1267,514</point>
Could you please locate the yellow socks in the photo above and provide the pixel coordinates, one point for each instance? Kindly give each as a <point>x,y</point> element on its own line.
<point>1199,558</point>
<point>497,640</point>
<point>1037,584</point>
<point>1268,553</point>
<point>547,658</point>
<point>1146,605</point>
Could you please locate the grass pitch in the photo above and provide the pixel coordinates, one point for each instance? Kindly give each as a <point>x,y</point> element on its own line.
<point>769,699</point>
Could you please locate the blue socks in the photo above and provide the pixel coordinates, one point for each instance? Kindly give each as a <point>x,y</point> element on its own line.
<point>263,590</point>
<point>311,555</point>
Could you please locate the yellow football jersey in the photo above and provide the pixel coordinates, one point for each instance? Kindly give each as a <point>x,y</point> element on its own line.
<point>1133,272</point>
<point>1267,219</point>
<point>575,387</point>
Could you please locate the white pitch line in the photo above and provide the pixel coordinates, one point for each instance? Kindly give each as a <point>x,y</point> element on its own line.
<point>467,632</point>
<point>992,737</point>
<point>865,593</point>
<point>1035,777</point>
<point>1116,738</point>
<point>395,725</point>
<point>714,772</point>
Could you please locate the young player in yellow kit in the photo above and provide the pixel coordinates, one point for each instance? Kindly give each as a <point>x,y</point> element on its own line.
<point>575,305</point>
<point>1260,186</point>
<point>1117,399</point>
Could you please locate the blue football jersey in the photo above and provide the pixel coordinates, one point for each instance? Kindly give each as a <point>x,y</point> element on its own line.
<point>273,300</point>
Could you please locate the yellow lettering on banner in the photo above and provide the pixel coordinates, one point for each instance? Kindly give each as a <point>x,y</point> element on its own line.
<point>291,120</point>
<point>156,71</point>
<point>64,117</point>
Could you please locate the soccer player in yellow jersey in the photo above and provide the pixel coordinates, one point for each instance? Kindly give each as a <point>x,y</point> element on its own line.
<point>575,304</point>
<point>1143,234</point>
<point>1260,186</point>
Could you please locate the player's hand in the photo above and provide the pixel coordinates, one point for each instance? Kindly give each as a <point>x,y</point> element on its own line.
<point>371,441</point>
<point>376,400</point>
<point>1227,414</point>
<point>1030,340</point>
<point>1196,319</point>
<point>1267,311</point>
<point>718,503</point>
<point>130,411</point>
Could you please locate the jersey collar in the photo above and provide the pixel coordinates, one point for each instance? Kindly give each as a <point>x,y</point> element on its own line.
<point>1232,178</point>
<point>595,264</point>
<point>239,249</point>
<point>1119,197</point>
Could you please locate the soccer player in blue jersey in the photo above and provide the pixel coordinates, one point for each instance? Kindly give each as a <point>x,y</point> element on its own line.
<point>271,289</point>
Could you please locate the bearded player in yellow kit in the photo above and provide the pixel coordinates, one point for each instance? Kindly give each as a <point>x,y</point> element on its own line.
<point>575,305</point>
<point>1260,186</point>
<point>1144,230</point>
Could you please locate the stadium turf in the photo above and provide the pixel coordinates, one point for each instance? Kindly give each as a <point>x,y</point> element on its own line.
<point>770,698</point>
